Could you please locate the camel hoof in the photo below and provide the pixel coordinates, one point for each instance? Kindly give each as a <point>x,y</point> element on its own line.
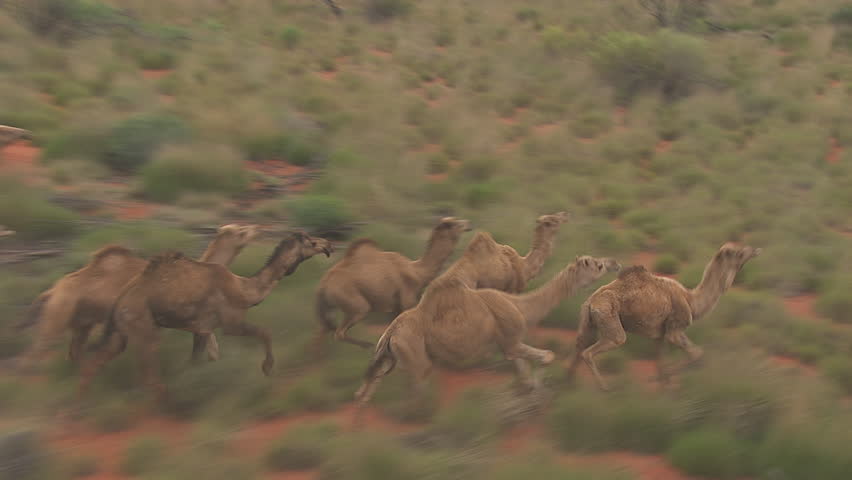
<point>548,358</point>
<point>267,367</point>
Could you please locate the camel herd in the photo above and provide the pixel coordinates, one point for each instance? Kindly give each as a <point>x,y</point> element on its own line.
<point>454,315</point>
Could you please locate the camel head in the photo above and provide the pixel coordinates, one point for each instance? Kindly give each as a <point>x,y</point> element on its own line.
<point>733,256</point>
<point>452,227</point>
<point>590,269</point>
<point>551,222</point>
<point>10,134</point>
<point>240,234</point>
<point>311,246</point>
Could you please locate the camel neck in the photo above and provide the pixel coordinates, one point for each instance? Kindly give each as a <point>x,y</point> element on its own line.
<point>716,281</point>
<point>540,302</point>
<point>438,250</point>
<point>260,285</point>
<point>540,250</point>
<point>218,252</point>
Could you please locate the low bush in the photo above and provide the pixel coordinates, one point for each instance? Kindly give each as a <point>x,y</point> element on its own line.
<point>82,467</point>
<point>23,457</point>
<point>836,302</point>
<point>290,36</point>
<point>842,15</point>
<point>388,9</point>
<point>28,212</point>
<point>667,264</point>
<point>143,455</point>
<point>469,421</point>
<point>133,142</point>
<point>839,369</point>
<point>298,150</point>
<point>709,453</point>
<point>591,125</point>
<point>113,416</point>
<point>805,452</point>
<point>146,238</point>
<point>319,212</point>
<point>156,59</point>
<point>545,468</point>
<point>183,169</point>
<point>303,447</point>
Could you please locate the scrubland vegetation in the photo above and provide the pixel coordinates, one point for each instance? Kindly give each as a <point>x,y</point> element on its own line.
<point>666,129</point>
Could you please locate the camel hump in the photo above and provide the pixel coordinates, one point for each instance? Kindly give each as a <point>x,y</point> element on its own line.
<point>359,244</point>
<point>111,250</point>
<point>481,242</point>
<point>163,259</point>
<point>633,270</point>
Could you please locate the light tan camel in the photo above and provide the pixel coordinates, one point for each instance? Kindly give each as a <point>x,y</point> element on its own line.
<point>454,323</point>
<point>177,292</point>
<point>6,233</point>
<point>12,134</point>
<point>83,299</point>
<point>368,279</point>
<point>655,307</point>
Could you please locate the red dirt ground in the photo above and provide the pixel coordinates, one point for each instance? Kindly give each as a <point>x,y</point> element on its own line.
<point>538,335</point>
<point>835,152</point>
<point>328,75</point>
<point>792,362</point>
<point>801,305</point>
<point>663,146</point>
<point>454,383</point>
<point>545,128</point>
<point>156,74</point>
<point>303,475</point>
<point>645,467</point>
<point>134,211</point>
<point>109,448</point>
<point>380,53</point>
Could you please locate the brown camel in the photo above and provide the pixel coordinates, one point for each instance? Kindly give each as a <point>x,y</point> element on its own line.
<point>368,279</point>
<point>655,307</point>
<point>12,134</point>
<point>84,298</point>
<point>488,264</point>
<point>177,292</point>
<point>454,323</point>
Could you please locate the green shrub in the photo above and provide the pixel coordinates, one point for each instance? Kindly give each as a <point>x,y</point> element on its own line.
<point>836,301</point>
<point>113,416</point>
<point>478,195</point>
<point>182,169</point>
<point>319,212</point>
<point>843,15</point>
<point>546,469</point>
<point>143,455</point>
<point>67,92</point>
<point>584,412</point>
<point>294,149</point>
<point>592,124</point>
<point>82,467</point>
<point>290,36</point>
<point>555,39</point>
<point>709,453</point>
<point>805,452</point>
<point>156,59</point>
<point>388,9</point>
<point>670,62</point>
<point>28,212</point>
<point>133,142</point>
<point>22,457</point>
<point>86,144</point>
<point>303,447</point>
<point>839,369</point>
<point>143,237</point>
<point>469,421</point>
<point>65,19</point>
<point>667,264</point>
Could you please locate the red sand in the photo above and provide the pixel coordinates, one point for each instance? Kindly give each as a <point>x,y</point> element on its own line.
<point>539,335</point>
<point>792,362</point>
<point>453,383</point>
<point>663,146</point>
<point>645,467</point>
<point>545,129</point>
<point>380,53</point>
<point>835,152</point>
<point>327,75</point>
<point>134,211</point>
<point>155,74</point>
<point>437,177</point>
<point>303,475</point>
<point>801,305</point>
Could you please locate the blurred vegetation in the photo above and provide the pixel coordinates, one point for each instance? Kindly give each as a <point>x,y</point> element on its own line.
<point>666,130</point>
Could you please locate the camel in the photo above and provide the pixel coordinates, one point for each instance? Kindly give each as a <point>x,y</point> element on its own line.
<point>369,279</point>
<point>12,134</point>
<point>488,264</point>
<point>84,298</point>
<point>655,307</point>
<point>177,292</point>
<point>5,233</point>
<point>454,323</point>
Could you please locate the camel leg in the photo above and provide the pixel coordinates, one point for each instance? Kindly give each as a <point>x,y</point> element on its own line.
<point>212,347</point>
<point>679,339</point>
<point>584,341</point>
<point>244,329</point>
<point>79,336</point>
<point>522,354</point>
<point>116,344</point>
<point>611,335</point>
<point>149,346</point>
<point>204,342</point>
<point>349,321</point>
<point>663,374</point>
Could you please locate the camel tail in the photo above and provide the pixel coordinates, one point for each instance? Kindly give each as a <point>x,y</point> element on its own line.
<point>382,364</point>
<point>34,312</point>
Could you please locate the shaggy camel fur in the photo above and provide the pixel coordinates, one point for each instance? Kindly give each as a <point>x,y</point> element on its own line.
<point>12,134</point>
<point>84,298</point>
<point>655,307</point>
<point>372,280</point>
<point>177,292</point>
<point>454,323</point>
